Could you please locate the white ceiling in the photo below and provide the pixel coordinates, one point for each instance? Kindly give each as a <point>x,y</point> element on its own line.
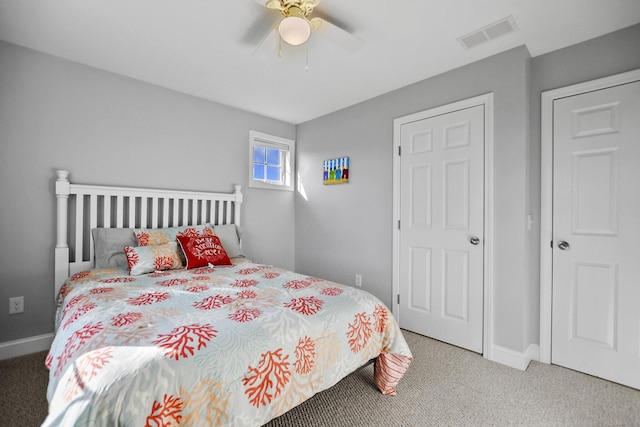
<point>204,47</point>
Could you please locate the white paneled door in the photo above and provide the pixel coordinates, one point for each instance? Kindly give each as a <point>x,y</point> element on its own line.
<point>441,227</point>
<point>596,233</point>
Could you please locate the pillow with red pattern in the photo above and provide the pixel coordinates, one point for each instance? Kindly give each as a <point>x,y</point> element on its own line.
<point>147,259</point>
<point>201,251</point>
<point>159,236</point>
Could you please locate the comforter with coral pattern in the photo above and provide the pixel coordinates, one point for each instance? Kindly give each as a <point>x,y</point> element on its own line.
<point>233,345</point>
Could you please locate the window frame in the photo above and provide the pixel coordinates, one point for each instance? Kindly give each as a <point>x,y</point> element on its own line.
<point>288,155</point>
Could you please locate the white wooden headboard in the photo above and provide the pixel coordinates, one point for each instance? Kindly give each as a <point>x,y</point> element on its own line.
<point>81,208</point>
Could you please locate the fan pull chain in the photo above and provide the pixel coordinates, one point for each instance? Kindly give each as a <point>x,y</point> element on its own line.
<point>279,47</point>
<point>306,65</point>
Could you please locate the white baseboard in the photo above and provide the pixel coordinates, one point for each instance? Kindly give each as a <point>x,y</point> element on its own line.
<point>533,352</point>
<point>25,346</point>
<point>514,358</point>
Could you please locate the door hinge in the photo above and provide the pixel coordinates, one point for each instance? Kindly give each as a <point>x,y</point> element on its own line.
<point>398,298</point>
<point>552,244</point>
<point>399,150</point>
<point>398,224</point>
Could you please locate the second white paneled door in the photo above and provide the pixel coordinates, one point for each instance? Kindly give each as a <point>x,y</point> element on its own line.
<point>596,233</point>
<point>441,227</point>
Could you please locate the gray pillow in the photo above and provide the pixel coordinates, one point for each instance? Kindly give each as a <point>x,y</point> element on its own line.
<point>109,246</point>
<point>228,235</point>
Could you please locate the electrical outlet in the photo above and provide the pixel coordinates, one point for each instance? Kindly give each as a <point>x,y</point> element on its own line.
<point>16,305</point>
<point>359,280</point>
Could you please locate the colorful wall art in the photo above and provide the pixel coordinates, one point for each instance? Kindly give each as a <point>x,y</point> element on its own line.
<point>336,171</point>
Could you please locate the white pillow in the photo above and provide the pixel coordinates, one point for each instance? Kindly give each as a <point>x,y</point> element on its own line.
<point>230,239</point>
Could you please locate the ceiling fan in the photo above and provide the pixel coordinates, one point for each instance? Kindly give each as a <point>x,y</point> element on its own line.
<point>296,24</point>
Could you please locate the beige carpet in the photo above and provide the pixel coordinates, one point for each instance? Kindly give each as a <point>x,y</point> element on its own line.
<point>445,386</point>
<point>23,390</point>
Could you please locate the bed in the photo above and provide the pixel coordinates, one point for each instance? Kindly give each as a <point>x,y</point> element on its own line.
<point>177,327</point>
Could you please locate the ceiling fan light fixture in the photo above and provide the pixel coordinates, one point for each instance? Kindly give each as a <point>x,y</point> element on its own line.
<point>294,30</point>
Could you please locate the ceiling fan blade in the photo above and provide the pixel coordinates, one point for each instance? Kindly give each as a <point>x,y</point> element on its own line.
<point>270,4</point>
<point>338,35</point>
<point>263,24</point>
<point>268,45</point>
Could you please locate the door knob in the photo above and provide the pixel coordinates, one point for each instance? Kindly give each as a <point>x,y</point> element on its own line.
<point>474,240</point>
<point>563,245</point>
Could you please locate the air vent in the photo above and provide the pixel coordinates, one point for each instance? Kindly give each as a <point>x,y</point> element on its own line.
<point>490,32</point>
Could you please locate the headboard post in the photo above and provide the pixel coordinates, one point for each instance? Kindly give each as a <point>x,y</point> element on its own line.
<point>238,203</point>
<point>62,246</point>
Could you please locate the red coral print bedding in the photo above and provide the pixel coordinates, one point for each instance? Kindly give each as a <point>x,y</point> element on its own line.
<point>230,345</point>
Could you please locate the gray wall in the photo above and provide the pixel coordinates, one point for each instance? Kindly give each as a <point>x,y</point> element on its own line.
<point>108,129</point>
<point>347,229</point>
<point>56,114</point>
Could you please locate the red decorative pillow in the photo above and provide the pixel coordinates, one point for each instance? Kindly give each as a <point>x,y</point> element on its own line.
<point>201,251</point>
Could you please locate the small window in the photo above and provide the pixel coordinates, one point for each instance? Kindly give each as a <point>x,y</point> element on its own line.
<point>271,161</point>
